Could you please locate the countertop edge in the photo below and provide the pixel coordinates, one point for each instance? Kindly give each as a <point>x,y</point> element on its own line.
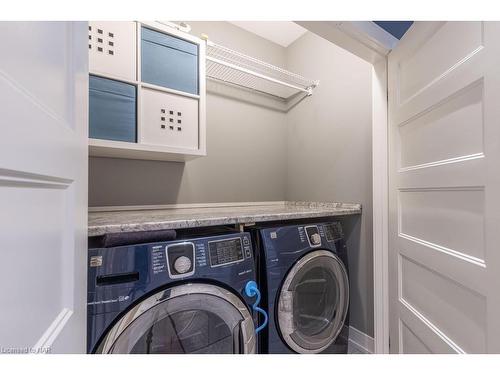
<point>318,210</point>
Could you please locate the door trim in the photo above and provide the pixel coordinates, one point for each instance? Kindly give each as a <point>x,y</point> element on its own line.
<point>380,181</point>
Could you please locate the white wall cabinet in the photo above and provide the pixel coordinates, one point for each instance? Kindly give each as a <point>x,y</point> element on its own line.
<point>166,69</point>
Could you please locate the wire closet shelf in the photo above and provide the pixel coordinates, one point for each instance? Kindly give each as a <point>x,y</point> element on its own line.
<point>232,67</point>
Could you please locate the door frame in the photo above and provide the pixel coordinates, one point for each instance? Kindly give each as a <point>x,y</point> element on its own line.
<point>372,44</point>
<point>380,186</point>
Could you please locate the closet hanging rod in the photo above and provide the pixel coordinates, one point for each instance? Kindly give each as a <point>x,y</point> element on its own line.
<point>307,90</point>
<point>234,67</point>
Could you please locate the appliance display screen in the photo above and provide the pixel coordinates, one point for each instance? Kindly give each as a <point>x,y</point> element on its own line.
<point>225,251</point>
<point>332,231</point>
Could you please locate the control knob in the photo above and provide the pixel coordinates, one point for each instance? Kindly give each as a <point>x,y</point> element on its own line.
<point>182,264</point>
<point>315,239</point>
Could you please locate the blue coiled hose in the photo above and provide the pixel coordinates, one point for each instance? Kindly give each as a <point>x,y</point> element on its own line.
<point>251,290</point>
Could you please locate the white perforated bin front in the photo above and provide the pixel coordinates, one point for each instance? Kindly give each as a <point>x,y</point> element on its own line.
<point>169,120</point>
<point>112,49</point>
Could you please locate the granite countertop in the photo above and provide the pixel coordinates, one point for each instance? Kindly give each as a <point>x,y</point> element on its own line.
<point>116,220</point>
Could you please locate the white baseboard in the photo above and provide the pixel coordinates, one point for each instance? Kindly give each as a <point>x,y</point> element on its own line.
<point>360,341</point>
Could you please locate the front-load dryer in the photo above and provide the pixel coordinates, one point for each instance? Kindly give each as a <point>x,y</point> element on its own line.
<point>304,270</point>
<point>182,296</point>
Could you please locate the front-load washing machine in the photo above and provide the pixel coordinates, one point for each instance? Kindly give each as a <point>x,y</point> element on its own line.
<point>304,271</point>
<point>184,296</point>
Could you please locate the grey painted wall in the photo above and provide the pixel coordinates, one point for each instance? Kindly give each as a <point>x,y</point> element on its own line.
<point>246,147</point>
<point>320,150</point>
<point>329,152</point>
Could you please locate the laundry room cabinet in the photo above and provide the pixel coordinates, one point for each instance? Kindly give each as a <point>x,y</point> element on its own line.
<point>146,92</point>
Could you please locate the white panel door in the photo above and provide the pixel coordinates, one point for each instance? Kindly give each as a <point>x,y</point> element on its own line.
<point>444,189</point>
<point>43,186</point>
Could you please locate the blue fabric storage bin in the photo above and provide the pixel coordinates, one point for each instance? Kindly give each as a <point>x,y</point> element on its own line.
<point>112,110</point>
<point>169,61</point>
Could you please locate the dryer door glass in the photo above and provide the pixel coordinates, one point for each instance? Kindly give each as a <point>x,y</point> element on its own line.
<point>313,302</point>
<point>190,320</point>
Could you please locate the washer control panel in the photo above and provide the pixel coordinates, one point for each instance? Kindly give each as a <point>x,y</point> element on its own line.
<point>333,231</point>
<point>195,256</point>
<point>228,251</point>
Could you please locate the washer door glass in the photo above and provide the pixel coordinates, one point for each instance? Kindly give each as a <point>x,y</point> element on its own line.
<point>313,302</point>
<point>200,319</point>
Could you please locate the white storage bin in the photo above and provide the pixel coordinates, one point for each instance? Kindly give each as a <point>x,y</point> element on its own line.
<point>169,120</point>
<point>169,61</point>
<point>112,49</point>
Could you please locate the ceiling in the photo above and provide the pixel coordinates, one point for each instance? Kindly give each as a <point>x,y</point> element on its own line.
<point>283,33</point>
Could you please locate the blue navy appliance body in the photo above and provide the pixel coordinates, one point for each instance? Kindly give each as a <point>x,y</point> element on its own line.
<point>304,271</point>
<point>182,296</point>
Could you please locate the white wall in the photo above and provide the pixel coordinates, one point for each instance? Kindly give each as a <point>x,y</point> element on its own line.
<point>329,152</point>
